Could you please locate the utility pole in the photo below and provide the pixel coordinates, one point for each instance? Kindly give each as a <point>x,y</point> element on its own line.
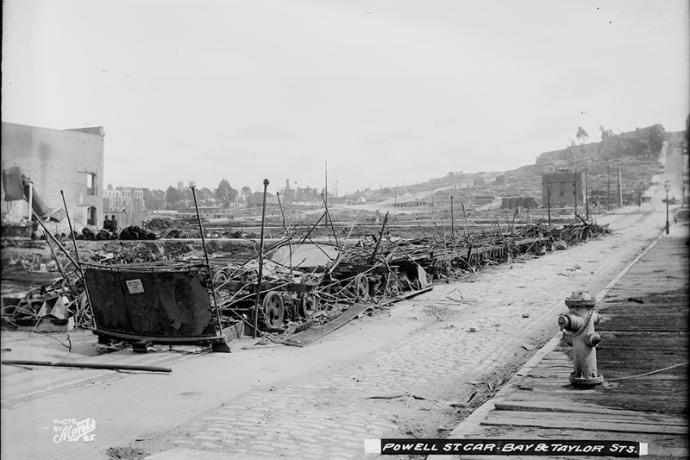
<point>452,219</point>
<point>548,203</point>
<point>586,194</point>
<point>575,191</point>
<point>325,222</point>
<point>31,208</point>
<point>667,187</point>
<point>608,187</point>
<point>620,188</point>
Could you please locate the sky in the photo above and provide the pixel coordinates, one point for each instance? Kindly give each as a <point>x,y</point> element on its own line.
<point>387,92</point>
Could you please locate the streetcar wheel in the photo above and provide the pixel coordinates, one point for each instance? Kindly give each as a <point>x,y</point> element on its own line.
<point>309,304</point>
<point>274,310</point>
<point>362,287</point>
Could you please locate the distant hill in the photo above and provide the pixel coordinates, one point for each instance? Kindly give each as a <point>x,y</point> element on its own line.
<point>636,152</point>
<point>642,143</point>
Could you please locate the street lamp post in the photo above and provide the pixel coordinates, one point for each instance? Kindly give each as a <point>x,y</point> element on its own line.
<point>667,187</point>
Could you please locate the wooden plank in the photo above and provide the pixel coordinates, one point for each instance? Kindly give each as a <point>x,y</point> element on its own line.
<point>569,422</point>
<point>568,406</point>
<point>560,387</point>
<point>608,417</point>
<point>683,377</point>
<point>647,402</point>
<point>316,333</point>
<point>556,364</point>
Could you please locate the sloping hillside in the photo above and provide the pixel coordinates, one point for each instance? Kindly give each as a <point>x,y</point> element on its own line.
<point>637,153</point>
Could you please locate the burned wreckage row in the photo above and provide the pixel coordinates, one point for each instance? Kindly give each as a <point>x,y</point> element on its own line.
<point>175,302</point>
<point>292,283</point>
<point>298,279</point>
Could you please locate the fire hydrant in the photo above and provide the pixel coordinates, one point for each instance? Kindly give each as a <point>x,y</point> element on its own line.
<point>578,330</point>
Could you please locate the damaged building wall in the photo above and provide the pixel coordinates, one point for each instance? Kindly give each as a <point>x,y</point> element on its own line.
<point>69,160</point>
<point>563,188</point>
<point>126,204</point>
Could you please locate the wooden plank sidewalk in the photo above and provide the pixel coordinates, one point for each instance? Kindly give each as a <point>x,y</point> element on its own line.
<point>643,357</point>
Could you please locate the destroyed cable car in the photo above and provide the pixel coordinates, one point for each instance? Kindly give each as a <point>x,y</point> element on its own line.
<point>285,293</point>
<point>355,274</point>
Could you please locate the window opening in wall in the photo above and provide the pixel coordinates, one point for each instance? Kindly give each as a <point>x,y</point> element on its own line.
<point>90,184</point>
<point>90,215</point>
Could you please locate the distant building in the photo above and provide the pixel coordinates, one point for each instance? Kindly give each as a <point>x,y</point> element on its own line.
<point>207,212</point>
<point>408,200</point>
<point>463,183</point>
<point>70,160</point>
<point>306,194</point>
<point>257,199</point>
<point>514,202</point>
<point>126,204</point>
<point>483,200</point>
<point>478,181</point>
<point>563,188</point>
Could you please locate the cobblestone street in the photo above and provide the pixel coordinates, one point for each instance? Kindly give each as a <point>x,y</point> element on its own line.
<point>419,384</point>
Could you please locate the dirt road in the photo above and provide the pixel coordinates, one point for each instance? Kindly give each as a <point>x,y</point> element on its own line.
<point>393,374</point>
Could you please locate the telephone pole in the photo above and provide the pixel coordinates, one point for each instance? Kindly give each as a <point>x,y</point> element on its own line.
<point>452,219</point>
<point>548,202</point>
<point>620,188</point>
<point>586,194</point>
<point>608,187</point>
<point>575,191</point>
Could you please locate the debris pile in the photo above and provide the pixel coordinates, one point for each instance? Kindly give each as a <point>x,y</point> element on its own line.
<point>128,233</point>
<point>306,283</point>
<point>58,306</point>
<point>136,233</point>
<point>164,227</point>
<point>302,279</point>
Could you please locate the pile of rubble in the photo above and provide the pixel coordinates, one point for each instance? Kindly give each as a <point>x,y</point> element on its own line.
<point>59,306</point>
<point>165,227</point>
<point>302,281</point>
<point>132,232</point>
